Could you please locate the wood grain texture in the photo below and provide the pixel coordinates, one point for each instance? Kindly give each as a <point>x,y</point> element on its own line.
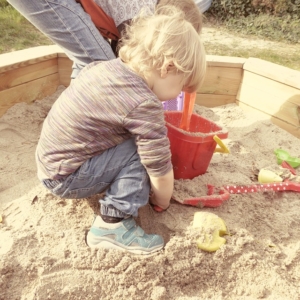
<point>28,92</point>
<point>221,81</point>
<point>14,77</point>
<point>64,70</point>
<point>22,58</point>
<point>212,100</point>
<point>271,97</point>
<point>225,61</point>
<point>273,71</point>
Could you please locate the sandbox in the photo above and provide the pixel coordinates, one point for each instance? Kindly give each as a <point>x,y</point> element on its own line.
<point>43,253</point>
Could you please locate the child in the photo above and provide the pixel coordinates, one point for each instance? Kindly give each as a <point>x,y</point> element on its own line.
<point>106,132</point>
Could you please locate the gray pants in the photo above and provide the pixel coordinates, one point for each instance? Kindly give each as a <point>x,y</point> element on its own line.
<point>118,171</point>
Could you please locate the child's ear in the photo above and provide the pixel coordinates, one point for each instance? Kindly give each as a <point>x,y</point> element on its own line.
<point>166,68</point>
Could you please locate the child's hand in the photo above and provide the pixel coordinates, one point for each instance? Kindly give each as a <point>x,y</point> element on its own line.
<point>155,206</point>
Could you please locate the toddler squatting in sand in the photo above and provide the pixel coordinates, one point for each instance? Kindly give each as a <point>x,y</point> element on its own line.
<point>106,131</point>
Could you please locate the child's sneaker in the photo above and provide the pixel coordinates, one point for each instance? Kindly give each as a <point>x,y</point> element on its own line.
<point>125,235</point>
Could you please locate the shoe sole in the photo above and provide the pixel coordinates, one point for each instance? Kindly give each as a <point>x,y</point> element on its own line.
<point>109,245</point>
<point>104,244</point>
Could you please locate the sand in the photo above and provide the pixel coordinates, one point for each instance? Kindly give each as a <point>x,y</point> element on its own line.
<point>43,254</point>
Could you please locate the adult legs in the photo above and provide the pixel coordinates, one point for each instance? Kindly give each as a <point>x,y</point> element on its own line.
<point>67,25</point>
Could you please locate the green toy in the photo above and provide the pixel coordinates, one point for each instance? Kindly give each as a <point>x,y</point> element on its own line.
<point>283,155</point>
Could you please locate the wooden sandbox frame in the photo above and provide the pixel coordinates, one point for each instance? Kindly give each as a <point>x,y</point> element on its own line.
<point>254,84</point>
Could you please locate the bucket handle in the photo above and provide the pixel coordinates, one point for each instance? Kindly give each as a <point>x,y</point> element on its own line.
<point>222,148</point>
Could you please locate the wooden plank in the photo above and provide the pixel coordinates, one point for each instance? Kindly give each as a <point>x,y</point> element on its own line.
<point>28,73</point>
<point>222,81</point>
<point>291,128</point>
<point>225,61</point>
<point>212,100</point>
<point>269,96</point>
<point>22,58</point>
<point>28,92</point>
<point>273,71</point>
<point>60,53</point>
<point>64,70</point>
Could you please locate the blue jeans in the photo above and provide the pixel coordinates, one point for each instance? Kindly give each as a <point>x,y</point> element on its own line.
<point>67,25</point>
<point>118,171</point>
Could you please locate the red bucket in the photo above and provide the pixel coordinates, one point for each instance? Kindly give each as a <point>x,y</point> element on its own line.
<point>192,150</point>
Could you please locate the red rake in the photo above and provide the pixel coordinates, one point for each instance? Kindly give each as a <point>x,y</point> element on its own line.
<point>215,200</point>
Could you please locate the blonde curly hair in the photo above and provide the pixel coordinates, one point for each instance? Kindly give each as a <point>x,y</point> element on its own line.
<point>154,40</point>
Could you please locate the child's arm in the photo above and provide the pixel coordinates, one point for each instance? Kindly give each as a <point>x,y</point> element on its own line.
<point>162,188</point>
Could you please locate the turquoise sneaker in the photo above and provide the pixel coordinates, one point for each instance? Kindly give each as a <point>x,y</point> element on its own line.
<point>125,236</point>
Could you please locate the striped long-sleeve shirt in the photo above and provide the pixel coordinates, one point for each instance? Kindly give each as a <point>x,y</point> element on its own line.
<point>104,106</point>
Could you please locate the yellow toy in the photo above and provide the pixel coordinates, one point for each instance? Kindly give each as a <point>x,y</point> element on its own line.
<point>212,230</point>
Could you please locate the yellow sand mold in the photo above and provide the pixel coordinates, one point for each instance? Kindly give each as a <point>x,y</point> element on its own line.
<point>212,229</point>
